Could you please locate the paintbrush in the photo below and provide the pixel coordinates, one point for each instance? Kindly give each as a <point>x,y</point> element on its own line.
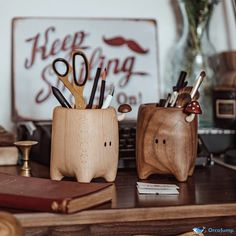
<point>197,84</point>
<point>188,90</point>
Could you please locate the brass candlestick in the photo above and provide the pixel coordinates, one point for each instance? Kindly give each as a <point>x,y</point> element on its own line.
<point>25,147</point>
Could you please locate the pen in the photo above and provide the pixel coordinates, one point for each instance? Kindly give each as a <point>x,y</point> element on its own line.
<point>60,98</point>
<point>167,100</point>
<point>179,85</point>
<point>95,83</point>
<point>161,103</point>
<point>107,102</point>
<point>101,98</point>
<point>173,98</point>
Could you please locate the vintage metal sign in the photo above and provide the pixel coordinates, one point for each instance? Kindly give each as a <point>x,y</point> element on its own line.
<point>127,48</point>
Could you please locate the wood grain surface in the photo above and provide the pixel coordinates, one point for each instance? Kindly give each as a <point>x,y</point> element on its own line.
<point>9,225</point>
<point>84,144</point>
<point>165,142</point>
<point>207,198</point>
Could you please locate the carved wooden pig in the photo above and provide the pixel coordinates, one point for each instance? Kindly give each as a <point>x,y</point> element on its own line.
<point>165,142</point>
<point>84,144</point>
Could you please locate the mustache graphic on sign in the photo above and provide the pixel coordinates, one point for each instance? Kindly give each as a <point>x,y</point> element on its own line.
<point>131,44</point>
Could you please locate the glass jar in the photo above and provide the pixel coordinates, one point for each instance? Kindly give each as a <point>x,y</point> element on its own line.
<point>194,53</point>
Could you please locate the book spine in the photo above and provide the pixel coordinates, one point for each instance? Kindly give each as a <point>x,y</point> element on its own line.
<point>33,203</point>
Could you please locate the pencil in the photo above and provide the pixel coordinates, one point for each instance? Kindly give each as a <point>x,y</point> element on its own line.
<point>95,84</point>
<point>60,98</point>
<point>101,98</point>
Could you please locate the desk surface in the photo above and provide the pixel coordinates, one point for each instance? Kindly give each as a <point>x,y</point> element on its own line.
<point>208,197</point>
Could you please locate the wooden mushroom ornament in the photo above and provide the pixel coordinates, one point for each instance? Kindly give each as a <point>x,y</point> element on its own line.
<point>123,109</point>
<point>192,108</point>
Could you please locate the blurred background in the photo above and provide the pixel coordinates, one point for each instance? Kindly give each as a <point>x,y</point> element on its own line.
<point>222,30</point>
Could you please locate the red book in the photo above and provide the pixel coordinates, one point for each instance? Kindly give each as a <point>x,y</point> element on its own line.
<point>37,194</point>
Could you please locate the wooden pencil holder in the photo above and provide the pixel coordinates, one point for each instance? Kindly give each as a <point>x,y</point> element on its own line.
<point>84,144</point>
<point>165,142</point>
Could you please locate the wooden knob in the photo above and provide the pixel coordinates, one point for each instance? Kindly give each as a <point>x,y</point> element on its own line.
<point>9,225</point>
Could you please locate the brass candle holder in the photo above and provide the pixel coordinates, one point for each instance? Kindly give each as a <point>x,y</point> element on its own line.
<point>25,147</point>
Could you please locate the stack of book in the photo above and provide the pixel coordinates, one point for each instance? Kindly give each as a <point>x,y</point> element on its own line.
<point>8,152</point>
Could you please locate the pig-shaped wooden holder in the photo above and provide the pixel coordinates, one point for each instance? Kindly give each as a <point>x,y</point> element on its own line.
<point>84,144</point>
<point>165,142</point>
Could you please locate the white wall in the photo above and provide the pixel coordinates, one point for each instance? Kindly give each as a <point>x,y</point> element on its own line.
<point>223,29</point>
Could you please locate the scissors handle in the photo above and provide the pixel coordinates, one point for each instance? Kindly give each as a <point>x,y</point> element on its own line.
<point>80,53</point>
<point>75,88</point>
<point>63,61</point>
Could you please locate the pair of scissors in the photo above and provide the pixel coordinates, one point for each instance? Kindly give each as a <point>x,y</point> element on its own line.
<point>74,86</point>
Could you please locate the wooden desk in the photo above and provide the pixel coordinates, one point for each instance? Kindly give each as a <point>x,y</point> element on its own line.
<point>207,199</point>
